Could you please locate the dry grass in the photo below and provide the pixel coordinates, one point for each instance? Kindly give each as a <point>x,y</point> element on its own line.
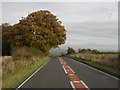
<point>105,59</point>
<point>108,63</point>
<point>23,62</point>
<point>20,57</point>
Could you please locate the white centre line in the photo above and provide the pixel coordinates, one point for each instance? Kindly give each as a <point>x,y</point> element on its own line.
<point>64,69</point>
<point>72,85</point>
<point>84,84</point>
<point>71,69</point>
<point>71,82</point>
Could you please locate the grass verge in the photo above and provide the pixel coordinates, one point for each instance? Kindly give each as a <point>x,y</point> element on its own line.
<point>112,71</point>
<point>13,79</point>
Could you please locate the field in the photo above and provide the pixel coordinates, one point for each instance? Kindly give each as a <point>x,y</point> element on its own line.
<point>106,62</point>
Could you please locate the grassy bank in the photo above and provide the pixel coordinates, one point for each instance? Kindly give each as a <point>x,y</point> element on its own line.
<point>18,67</point>
<point>101,65</point>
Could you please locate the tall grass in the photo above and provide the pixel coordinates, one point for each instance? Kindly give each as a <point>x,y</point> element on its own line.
<point>21,58</point>
<point>108,63</point>
<point>110,60</point>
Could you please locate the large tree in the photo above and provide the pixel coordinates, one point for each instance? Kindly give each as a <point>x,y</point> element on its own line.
<point>6,28</point>
<point>40,29</point>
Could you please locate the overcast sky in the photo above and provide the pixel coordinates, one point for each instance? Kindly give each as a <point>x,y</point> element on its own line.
<point>88,24</point>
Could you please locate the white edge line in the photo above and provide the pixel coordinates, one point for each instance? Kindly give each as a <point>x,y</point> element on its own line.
<point>71,69</point>
<point>97,70</point>
<point>72,85</point>
<point>64,69</point>
<point>84,84</point>
<point>31,76</point>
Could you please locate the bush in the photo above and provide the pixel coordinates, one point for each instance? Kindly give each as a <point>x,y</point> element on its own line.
<point>25,53</point>
<point>20,53</point>
<point>35,51</point>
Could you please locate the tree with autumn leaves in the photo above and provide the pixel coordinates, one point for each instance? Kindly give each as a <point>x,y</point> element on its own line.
<point>6,28</point>
<point>40,29</point>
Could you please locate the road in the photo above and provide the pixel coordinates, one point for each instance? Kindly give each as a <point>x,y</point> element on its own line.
<point>58,73</point>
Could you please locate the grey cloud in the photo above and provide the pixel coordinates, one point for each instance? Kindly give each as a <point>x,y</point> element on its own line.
<point>94,29</point>
<point>88,24</point>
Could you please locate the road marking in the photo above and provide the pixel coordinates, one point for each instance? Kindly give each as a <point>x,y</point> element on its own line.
<point>79,86</point>
<point>64,62</point>
<point>31,75</point>
<point>60,62</point>
<point>64,69</point>
<point>71,69</point>
<point>84,84</point>
<point>74,80</point>
<point>72,85</point>
<point>71,74</point>
<point>96,69</point>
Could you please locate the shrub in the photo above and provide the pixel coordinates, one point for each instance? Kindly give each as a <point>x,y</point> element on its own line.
<point>19,53</point>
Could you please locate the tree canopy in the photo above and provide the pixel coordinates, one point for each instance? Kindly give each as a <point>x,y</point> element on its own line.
<point>40,29</point>
<point>6,28</point>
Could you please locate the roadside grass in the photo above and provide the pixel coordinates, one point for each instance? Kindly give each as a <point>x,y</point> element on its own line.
<point>110,70</point>
<point>23,62</point>
<point>13,79</point>
<point>110,60</point>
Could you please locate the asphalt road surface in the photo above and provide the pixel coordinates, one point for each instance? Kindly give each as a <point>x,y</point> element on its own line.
<point>52,75</point>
